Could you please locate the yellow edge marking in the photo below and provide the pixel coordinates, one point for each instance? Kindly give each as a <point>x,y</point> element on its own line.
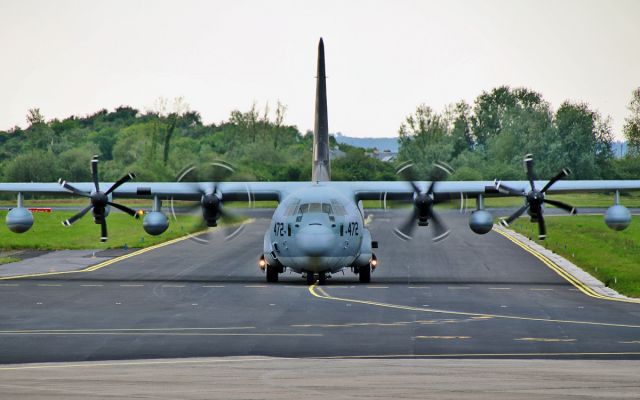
<point>324,295</point>
<point>564,274</point>
<point>102,264</point>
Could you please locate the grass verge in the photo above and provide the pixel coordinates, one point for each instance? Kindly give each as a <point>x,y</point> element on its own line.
<point>48,233</point>
<point>612,257</point>
<point>7,260</point>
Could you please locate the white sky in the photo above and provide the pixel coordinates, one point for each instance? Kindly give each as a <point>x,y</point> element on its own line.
<point>383,57</point>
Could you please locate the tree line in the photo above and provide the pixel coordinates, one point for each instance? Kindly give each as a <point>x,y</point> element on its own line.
<point>482,141</point>
<point>488,139</point>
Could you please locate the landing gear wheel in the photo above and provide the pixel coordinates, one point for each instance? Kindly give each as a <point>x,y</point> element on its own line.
<point>311,279</point>
<point>322,278</point>
<point>272,274</point>
<point>365,274</point>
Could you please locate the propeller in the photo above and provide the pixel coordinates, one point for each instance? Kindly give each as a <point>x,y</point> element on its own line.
<point>98,200</point>
<point>423,202</point>
<point>534,199</point>
<point>210,202</point>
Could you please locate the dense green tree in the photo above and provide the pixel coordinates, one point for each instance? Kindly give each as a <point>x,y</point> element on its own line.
<point>632,124</point>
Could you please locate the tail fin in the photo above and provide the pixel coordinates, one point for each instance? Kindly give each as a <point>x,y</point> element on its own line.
<point>321,168</point>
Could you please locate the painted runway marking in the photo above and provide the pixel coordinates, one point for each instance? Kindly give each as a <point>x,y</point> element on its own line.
<point>631,342</point>
<point>255,286</point>
<point>49,284</point>
<point>442,337</point>
<point>579,285</point>
<point>499,288</point>
<point>92,285</point>
<point>173,286</point>
<point>324,295</point>
<point>25,331</point>
<point>213,286</point>
<point>529,339</point>
<point>165,334</point>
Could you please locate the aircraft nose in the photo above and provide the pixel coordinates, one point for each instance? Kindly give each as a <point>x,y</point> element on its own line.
<point>315,240</point>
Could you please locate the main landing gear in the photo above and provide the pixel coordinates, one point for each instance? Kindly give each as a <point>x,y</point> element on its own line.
<point>272,274</point>
<point>364,274</point>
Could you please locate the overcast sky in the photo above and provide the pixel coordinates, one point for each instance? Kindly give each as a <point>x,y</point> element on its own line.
<point>383,57</point>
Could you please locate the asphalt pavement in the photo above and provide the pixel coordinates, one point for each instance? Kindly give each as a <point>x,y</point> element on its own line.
<point>469,296</point>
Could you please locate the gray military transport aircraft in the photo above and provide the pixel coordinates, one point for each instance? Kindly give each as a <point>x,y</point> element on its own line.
<point>318,227</point>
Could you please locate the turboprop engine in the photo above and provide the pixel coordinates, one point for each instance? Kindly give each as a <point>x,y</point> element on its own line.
<point>155,223</point>
<point>19,220</point>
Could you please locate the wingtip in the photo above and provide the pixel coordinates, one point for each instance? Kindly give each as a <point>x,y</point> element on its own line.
<point>504,223</point>
<point>103,239</point>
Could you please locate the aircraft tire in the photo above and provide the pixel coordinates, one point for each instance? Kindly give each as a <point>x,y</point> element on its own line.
<point>272,274</point>
<point>322,278</point>
<point>365,274</point>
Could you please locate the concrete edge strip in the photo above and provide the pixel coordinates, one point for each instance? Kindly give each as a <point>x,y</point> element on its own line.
<point>578,277</point>
<point>100,265</point>
<point>115,259</point>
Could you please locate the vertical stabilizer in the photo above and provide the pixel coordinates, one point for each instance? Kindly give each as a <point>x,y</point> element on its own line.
<point>321,168</point>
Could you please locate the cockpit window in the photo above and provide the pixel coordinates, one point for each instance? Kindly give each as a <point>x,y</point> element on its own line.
<point>338,208</point>
<point>315,207</point>
<point>303,209</point>
<point>292,207</point>
<point>326,208</point>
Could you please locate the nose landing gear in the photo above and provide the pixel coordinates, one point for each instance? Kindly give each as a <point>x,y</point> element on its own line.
<point>322,278</point>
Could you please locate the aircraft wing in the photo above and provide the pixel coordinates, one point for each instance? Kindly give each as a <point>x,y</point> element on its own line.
<point>360,190</point>
<point>395,190</point>
<point>230,191</point>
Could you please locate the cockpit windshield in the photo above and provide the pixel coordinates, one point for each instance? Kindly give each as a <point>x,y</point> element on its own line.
<point>314,208</point>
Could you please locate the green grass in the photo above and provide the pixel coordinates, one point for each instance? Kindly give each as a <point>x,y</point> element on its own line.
<point>612,257</point>
<point>7,260</point>
<point>48,233</point>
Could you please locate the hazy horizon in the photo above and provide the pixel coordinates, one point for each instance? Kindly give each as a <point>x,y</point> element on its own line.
<point>383,57</point>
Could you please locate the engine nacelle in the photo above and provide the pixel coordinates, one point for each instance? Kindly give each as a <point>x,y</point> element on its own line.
<point>617,217</point>
<point>19,220</point>
<point>481,222</point>
<point>155,223</point>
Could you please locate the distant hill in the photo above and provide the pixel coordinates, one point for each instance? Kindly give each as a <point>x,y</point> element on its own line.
<point>385,143</point>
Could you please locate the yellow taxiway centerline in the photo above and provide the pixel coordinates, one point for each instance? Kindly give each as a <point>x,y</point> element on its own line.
<point>324,295</point>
